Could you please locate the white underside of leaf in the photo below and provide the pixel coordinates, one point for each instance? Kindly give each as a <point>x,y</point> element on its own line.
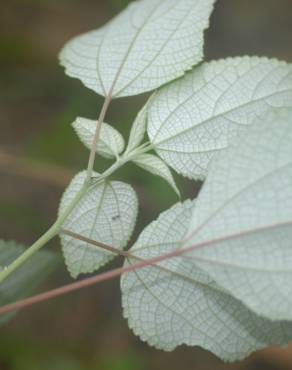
<point>150,43</point>
<point>138,129</point>
<point>244,217</point>
<point>107,213</point>
<point>178,303</point>
<point>110,143</point>
<point>156,166</point>
<point>197,116</point>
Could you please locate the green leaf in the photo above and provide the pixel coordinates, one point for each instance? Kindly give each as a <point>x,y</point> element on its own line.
<point>110,143</point>
<point>197,116</point>
<point>176,303</point>
<point>25,279</point>
<point>156,166</point>
<point>107,213</point>
<point>243,217</point>
<point>148,44</point>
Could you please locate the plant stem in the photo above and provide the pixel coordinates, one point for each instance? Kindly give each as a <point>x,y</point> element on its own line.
<point>96,137</point>
<point>101,245</point>
<point>48,235</point>
<point>85,283</point>
<point>126,157</point>
<point>56,227</point>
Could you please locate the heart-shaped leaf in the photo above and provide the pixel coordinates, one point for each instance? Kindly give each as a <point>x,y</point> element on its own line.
<point>150,43</point>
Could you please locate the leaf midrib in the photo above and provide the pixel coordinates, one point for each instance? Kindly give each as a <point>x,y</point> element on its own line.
<point>124,60</point>
<point>195,126</point>
<point>231,199</point>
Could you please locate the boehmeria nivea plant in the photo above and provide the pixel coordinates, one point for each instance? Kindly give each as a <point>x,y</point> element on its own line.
<point>213,272</point>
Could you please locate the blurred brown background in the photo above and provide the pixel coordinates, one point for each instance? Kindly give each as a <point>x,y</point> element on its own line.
<point>39,153</point>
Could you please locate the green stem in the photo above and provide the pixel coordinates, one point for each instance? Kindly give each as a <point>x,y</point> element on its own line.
<point>47,236</point>
<point>96,137</point>
<point>56,227</point>
<point>53,231</point>
<point>126,157</point>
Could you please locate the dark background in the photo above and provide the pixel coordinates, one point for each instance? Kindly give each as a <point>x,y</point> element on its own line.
<point>39,153</point>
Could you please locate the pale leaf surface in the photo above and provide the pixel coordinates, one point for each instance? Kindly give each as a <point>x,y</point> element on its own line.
<point>107,213</point>
<point>138,129</point>
<point>110,143</point>
<point>148,44</point>
<point>178,303</point>
<point>195,117</point>
<point>156,166</point>
<point>244,217</point>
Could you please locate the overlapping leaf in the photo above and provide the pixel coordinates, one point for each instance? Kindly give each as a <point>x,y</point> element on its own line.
<point>195,117</point>
<point>110,143</point>
<point>177,303</point>
<point>243,217</point>
<point>26,278</point>
<point>106,213</point>
<point>150,43</point>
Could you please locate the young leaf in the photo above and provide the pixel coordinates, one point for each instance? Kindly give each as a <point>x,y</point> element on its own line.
<point>176,303</point>
<point>107,213</point>
<point>26,278</point>
<point>195,117</point>
<point>150,43</point>
<point>156,166</point>
<point>110,143</point>
<point>244,218</point>
<point>138,129</point>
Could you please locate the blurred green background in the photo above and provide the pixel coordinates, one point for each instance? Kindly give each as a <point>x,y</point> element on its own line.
<point>39,153</point>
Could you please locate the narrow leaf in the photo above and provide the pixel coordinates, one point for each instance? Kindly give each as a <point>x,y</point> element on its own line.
<point>195,117</point>
<point>107,213</point>
<point>150,43</point>
<point>110,143</point>
<point>156,166</point>
<point>176,303</point>
<point>25,279</point>
<point>244,217</point>
<point>138,129</point>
